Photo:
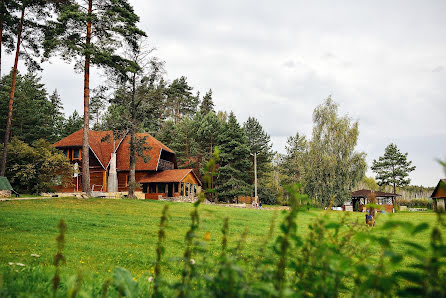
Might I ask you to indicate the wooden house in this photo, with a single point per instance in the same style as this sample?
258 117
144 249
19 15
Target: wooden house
360 198
110 164
439 196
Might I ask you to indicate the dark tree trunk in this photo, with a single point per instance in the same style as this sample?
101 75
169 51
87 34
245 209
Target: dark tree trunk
85 143
11 95
132 180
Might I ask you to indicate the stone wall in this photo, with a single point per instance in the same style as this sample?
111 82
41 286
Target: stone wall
5 193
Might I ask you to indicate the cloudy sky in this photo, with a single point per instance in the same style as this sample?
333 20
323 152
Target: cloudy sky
384 63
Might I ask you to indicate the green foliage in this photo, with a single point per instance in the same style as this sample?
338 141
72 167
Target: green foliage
36 115
180 99
367 183
258 142
392 168
37 168
332 166
207 104
292 163
113 26
416 203
233 177
73 123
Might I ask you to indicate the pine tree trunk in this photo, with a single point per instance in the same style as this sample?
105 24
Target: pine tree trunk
85 142
1 36
11 95
132 180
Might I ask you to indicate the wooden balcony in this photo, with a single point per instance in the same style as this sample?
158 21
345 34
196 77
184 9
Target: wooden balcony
165 165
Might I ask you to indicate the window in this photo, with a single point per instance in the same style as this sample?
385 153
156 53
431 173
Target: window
161 187
152 187
187 190
195 190
175 187
182 189
76 153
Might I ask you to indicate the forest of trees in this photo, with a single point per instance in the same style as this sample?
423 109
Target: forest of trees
138 97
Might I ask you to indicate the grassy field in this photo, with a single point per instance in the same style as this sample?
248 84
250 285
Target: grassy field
103 234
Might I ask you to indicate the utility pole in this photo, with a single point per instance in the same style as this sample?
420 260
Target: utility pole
255 178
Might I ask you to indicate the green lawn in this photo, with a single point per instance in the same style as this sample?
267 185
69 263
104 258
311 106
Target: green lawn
103 234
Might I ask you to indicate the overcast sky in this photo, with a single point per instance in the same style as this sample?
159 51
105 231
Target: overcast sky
383 62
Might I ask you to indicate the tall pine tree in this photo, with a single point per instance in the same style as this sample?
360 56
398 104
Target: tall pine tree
392 168
91 35
233 176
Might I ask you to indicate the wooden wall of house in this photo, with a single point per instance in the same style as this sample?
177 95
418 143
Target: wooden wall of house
123 180
96 180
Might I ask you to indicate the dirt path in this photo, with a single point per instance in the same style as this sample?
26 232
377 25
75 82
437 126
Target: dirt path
24 198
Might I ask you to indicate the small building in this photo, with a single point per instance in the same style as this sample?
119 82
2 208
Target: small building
439 196
171 183
5 187
360 198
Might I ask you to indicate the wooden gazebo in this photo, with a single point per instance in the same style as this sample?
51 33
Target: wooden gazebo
360 198
439 196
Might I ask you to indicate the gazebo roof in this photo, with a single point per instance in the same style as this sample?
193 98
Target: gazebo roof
365 193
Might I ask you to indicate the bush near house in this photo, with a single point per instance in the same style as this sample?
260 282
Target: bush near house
416 203
35 168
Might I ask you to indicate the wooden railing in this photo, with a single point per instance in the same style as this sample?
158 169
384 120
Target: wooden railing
165 165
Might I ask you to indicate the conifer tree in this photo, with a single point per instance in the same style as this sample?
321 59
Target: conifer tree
91 35
73 123
209 129
233 177
181 100
292 163
207 104
392 168
34 118
57 116
29 29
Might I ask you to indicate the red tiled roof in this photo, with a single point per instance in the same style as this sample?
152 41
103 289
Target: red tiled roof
103 150
122 159
168 176
366 193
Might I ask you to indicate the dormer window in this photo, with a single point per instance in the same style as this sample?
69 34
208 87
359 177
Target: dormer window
73 153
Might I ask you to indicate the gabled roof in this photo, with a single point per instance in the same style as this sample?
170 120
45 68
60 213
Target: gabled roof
154 153
365 193
440 190
104 149
176 175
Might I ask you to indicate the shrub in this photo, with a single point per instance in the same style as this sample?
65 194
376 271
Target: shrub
37 168
416 203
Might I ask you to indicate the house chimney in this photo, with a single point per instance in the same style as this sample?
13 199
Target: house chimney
112 175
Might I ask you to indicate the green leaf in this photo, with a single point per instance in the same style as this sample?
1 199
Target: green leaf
124 283
412 276
420 228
